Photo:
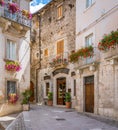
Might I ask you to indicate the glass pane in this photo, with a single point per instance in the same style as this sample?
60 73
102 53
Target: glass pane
11 87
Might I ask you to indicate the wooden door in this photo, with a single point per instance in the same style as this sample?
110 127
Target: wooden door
32 89
89 97
61 90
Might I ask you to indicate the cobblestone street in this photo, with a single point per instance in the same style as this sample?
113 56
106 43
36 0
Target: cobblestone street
52 118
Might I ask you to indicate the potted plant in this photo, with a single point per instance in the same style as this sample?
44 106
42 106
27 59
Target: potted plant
50 99
68 99
26 97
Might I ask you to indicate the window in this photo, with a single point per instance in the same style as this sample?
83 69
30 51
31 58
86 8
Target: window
59 11
74 87
89 40
47 88
60 47
46 52
89 3
11 87
11 50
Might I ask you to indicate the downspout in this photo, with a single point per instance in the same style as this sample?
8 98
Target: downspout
38 69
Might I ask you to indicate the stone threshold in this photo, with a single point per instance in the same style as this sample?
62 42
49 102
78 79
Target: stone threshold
100 118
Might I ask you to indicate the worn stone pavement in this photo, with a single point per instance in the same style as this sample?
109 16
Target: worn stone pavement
53 118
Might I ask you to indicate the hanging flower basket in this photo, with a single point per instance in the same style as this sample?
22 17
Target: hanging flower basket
109 41
2 3
82 53
13 8
12 66
27 14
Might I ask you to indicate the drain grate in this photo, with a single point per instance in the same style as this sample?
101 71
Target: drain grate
60 119
69 111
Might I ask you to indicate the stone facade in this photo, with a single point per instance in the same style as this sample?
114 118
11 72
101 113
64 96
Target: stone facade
17 31
52 30
98 19
96 76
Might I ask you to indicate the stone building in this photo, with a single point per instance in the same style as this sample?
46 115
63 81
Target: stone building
56 42
14 53
97 77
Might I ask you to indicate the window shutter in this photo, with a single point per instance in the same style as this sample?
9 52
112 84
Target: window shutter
46 52
60 47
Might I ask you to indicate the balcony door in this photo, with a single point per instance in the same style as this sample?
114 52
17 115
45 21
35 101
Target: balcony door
61 90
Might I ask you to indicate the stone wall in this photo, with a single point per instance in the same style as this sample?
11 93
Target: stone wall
20 34
105 73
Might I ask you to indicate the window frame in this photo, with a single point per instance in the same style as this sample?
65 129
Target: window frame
58 50
16 87
60 11
87 38
6 47
89 3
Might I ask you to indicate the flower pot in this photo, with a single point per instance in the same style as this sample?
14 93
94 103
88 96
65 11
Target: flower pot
50 103
26 107
68 104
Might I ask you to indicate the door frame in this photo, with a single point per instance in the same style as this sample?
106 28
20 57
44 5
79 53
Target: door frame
57 87
84 93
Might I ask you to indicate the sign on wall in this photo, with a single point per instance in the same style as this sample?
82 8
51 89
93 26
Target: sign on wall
61 70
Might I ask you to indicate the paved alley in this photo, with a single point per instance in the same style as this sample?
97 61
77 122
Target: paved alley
52 118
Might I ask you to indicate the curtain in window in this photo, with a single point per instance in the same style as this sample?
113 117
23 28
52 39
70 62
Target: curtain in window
11 87
11 50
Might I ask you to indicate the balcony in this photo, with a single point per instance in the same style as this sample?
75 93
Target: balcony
86 62
16 17
59 60
111 53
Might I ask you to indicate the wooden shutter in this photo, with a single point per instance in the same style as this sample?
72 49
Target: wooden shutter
60 47
46 52
59 12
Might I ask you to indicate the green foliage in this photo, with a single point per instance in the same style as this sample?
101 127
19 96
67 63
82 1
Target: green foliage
67 97
26 96
108 41
50 96
82 53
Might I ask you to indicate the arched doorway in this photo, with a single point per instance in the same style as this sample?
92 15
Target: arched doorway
32 89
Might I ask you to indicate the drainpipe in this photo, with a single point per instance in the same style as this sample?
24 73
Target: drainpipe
38 69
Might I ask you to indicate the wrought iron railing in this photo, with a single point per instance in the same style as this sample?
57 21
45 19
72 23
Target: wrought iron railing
89 60
57 60
16 17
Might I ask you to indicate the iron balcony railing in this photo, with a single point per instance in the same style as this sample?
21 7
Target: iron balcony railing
58 60
16 17
89 60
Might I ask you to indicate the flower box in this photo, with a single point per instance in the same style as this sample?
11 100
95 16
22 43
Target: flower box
12 98
109 41
82 53
13 66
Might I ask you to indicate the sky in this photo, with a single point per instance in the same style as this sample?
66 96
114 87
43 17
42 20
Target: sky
35 5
